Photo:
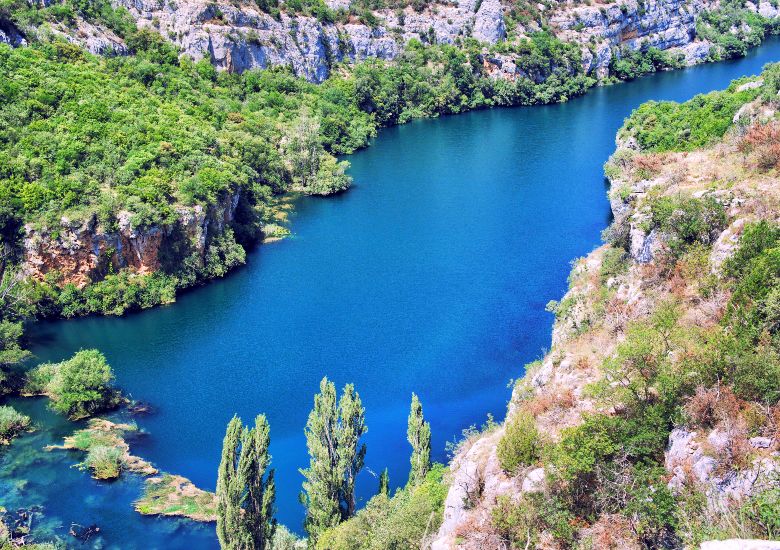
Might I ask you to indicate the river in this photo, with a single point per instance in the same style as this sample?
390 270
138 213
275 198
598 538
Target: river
430 275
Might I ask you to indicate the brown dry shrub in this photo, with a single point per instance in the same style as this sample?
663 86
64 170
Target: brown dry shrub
583 363
737 452
648 165
618 313
612 532
678 282
710 407
475 534
555 399
761 145
678 174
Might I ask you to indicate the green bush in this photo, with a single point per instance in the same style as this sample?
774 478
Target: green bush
631 64
12 423
78 387
520 445
756 238
104 462
756 376
398 522
764 511
521 522
687 221
670 126
614 263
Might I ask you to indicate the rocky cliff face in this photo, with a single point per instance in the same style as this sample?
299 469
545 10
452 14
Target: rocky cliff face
238 36
79 252
604 30
10 35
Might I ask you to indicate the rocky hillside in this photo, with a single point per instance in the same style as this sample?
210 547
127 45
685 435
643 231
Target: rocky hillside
313 38
654 421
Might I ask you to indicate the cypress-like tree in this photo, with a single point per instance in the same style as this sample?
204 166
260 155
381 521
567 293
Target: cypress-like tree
419 435
384 483
245 494
333 433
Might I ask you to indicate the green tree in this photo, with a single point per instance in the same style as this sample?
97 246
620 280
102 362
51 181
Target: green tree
78 387
11 352
384 483
245 494
333 433
418 433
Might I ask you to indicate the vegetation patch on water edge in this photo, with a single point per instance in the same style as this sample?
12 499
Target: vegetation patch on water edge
108 454
78 387
12 423
174 495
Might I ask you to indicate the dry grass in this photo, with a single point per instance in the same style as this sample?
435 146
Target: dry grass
761 146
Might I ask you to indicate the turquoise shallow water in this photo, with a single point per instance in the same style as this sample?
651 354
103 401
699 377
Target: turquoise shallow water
430 275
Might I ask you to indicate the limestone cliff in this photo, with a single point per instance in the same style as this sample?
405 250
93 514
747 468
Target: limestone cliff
79 252
238 36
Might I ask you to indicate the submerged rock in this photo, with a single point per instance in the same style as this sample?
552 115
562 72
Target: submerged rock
83 534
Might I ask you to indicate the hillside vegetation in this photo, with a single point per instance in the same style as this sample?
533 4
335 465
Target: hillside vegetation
653 422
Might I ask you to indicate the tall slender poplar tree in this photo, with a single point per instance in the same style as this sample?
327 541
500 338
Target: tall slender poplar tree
419 435
333 433
384 483
245 494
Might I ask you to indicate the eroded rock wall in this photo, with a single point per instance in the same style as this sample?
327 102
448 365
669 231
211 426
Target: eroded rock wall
80 252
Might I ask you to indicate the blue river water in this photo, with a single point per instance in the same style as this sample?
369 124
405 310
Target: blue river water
430 276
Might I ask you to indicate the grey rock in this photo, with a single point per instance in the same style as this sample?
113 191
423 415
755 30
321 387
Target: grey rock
664 24
751 85
643 245
489 23
534 481
761 442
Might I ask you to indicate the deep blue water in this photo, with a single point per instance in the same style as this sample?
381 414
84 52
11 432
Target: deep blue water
430 275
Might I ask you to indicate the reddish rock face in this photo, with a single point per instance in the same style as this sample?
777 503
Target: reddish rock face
80 252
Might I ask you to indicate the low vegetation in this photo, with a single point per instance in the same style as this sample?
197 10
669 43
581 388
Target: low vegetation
405 520
520 445
12 423
670 126
172 495
107 452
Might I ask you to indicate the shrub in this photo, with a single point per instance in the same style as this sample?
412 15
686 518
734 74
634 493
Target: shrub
762 143
615 262
708 407
78 387
669 126
104 462
764 511
755 239
520 523
520 445
398 522
687 221
757 376
12 423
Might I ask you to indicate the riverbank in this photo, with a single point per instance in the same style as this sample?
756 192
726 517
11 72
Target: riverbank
662 371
